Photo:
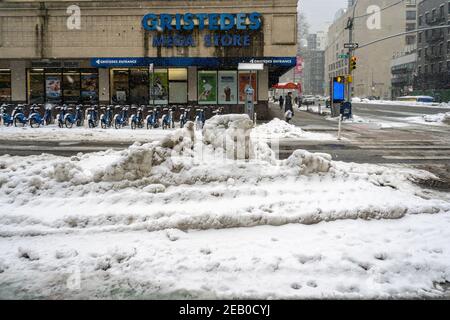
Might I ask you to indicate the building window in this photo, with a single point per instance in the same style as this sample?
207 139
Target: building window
411 15
441 11
5 85
419 53
420 21
419 70
178 86
89 85
448 65
119 85
36 86
71 85
410 40
419 40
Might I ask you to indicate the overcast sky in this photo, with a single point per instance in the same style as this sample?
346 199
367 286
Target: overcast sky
320 13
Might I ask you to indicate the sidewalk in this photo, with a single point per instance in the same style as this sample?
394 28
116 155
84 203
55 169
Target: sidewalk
310 121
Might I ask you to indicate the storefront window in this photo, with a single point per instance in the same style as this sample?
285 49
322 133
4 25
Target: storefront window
89 85
159 87
119 86
36 86
244 82
178 87
53 90
227 87
139 86
207 87
71 86
62 85
5 85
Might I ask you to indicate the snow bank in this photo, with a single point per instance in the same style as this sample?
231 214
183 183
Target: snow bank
279 129
128 223
230 133
441 117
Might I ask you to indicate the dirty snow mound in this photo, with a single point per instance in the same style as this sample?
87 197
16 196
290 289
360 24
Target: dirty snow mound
309 162
230 133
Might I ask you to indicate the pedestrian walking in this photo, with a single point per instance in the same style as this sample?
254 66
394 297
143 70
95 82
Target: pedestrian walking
288 104
281 102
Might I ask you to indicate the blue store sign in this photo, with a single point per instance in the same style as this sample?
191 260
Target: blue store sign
170 29
188 62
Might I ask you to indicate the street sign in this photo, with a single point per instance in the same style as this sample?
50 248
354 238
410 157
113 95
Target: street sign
343 56
351 45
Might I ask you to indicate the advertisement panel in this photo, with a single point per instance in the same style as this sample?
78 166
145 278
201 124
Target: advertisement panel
227 87
244 82
207 87
53 87
159 87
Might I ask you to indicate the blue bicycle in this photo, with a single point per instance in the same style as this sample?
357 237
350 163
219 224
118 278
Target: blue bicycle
74 118
184 117
19 116
5 118
92 116
137 119
48 114
121 119
153 119
107 117
167 119
35 119
200 119
60 117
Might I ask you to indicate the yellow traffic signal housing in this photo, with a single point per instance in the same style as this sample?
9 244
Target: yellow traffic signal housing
353 61
349 79
339 79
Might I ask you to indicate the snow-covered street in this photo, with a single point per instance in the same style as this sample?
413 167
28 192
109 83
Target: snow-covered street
217 215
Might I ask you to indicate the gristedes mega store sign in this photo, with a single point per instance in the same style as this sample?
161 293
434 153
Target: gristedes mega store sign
226 29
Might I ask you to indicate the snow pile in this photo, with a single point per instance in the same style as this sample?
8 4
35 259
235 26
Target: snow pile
441 117
230 133
308 162
129 223
279 129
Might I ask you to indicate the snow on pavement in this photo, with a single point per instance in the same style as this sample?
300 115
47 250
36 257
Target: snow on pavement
191 216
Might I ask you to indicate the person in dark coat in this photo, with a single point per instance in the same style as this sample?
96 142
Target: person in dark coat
281 102
288 103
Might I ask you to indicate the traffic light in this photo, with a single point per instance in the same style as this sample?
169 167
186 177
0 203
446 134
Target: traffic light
353 63
339 79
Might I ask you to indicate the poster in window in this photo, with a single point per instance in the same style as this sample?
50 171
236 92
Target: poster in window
53 87
159 87
244 82
89 87
207 87
228 87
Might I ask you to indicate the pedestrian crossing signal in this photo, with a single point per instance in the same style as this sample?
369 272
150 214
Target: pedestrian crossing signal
353 61
339 79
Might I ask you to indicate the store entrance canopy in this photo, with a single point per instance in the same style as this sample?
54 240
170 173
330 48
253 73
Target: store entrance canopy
287 86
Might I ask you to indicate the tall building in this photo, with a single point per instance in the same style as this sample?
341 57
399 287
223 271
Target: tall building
373 74
314 58
433 48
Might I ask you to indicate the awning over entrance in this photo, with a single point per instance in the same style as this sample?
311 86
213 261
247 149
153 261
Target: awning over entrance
288 86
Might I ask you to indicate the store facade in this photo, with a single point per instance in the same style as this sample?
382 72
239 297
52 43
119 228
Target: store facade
143 52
